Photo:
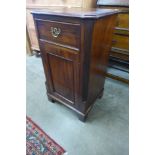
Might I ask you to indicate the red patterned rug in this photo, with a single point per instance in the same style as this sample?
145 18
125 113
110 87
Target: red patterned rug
39 143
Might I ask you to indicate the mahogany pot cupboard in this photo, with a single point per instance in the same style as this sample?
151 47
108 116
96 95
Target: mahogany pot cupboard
75 46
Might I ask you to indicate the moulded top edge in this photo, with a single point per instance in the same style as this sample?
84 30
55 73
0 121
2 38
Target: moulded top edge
76 12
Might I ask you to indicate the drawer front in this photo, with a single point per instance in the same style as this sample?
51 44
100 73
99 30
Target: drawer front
124 56
64 34
122 20
120 41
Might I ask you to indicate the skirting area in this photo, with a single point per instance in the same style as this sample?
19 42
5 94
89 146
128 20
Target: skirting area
106 129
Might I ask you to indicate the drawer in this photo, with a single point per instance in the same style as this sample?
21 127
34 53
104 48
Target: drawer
122 20
62 33
120 54
120 41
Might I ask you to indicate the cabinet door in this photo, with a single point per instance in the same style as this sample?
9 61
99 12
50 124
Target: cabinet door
61 67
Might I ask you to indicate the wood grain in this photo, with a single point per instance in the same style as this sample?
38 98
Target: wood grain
69 33
101 44
75 77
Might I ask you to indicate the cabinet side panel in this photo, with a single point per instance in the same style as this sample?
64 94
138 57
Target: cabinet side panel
101 44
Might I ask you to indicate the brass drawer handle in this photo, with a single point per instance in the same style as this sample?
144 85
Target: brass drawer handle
55 31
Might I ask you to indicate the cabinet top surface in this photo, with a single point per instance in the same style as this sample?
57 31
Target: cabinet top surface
76 12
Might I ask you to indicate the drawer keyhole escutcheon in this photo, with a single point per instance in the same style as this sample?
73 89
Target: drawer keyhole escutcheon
55 31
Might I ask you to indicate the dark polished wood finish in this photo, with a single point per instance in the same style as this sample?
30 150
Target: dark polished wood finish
70 36
75 57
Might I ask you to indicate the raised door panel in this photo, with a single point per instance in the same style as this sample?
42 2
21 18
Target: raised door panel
62 71
62 76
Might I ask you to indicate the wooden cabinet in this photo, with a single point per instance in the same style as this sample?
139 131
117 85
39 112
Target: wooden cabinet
75 46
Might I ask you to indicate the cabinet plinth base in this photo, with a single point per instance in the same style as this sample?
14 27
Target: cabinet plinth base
101 94
82 117
50 99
